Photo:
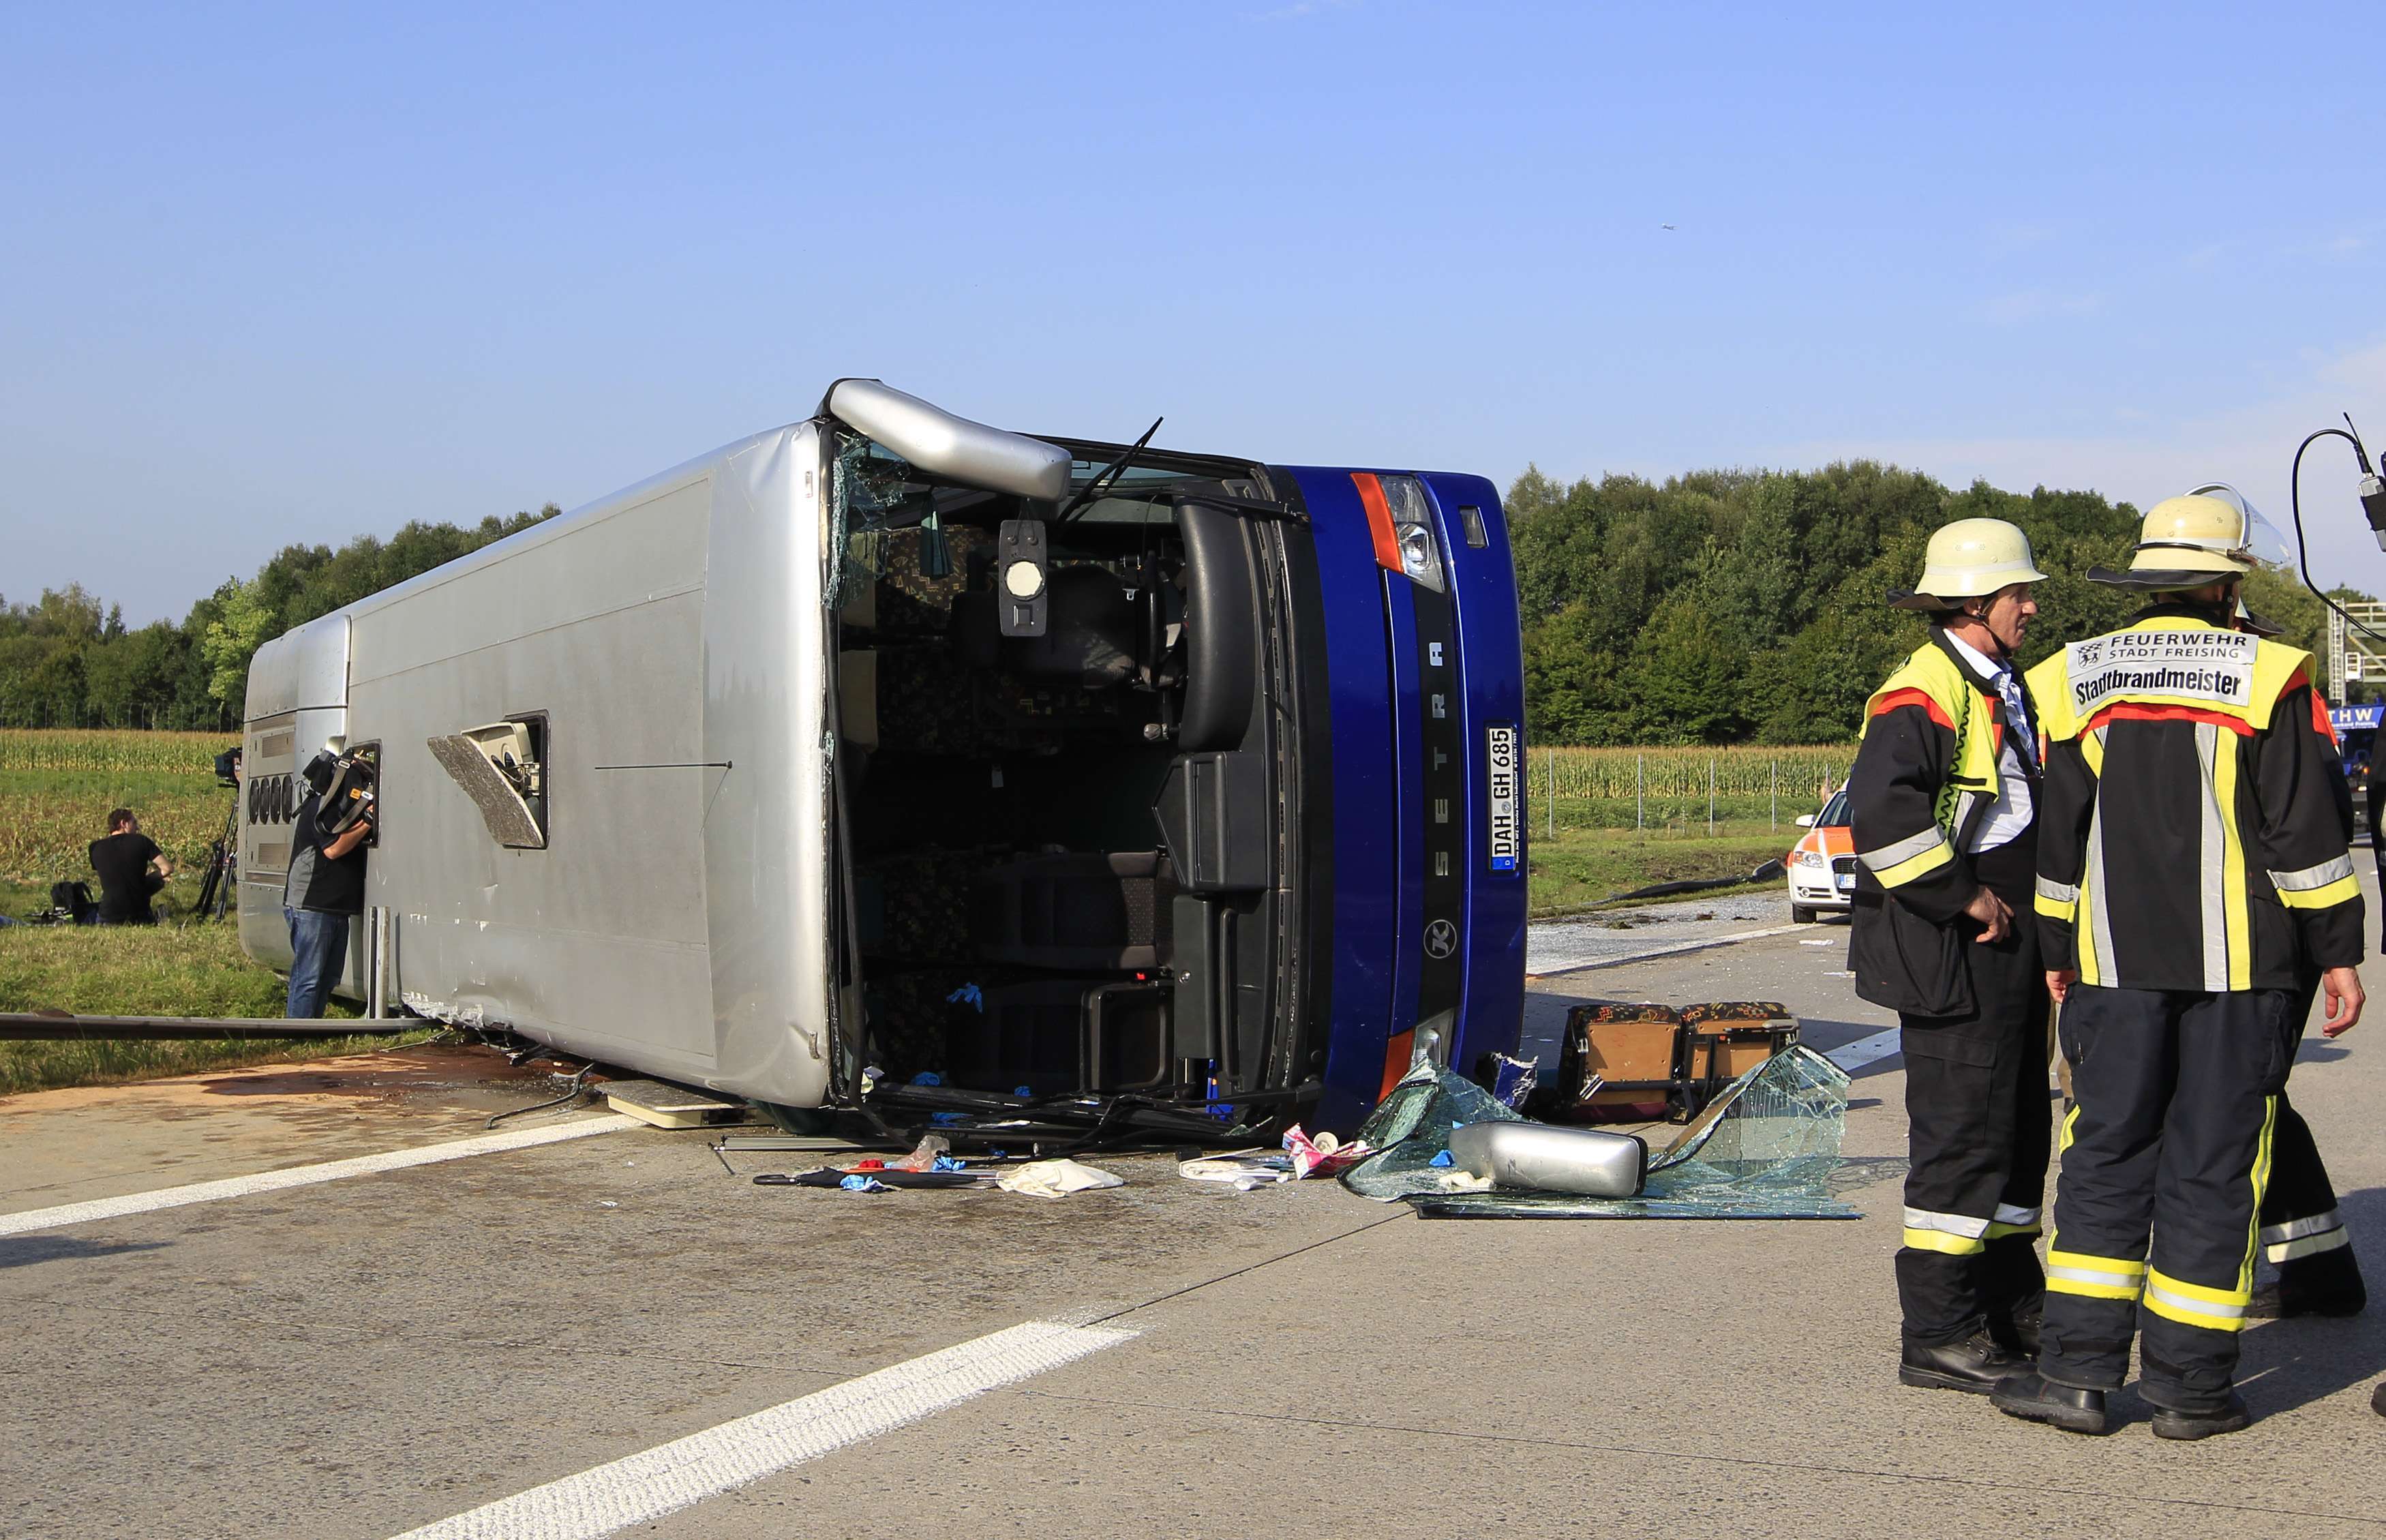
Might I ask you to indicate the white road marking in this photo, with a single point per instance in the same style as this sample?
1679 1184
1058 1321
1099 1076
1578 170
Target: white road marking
301 1176
1666 951
1854 1055
644 1487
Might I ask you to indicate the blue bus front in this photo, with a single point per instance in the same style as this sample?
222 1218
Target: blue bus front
1199 789
1419 646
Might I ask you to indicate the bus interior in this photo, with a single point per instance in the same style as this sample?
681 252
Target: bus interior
1070 755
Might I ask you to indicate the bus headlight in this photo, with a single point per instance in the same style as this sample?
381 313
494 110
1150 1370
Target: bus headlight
1399 515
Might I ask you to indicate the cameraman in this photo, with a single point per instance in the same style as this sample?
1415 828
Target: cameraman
326 888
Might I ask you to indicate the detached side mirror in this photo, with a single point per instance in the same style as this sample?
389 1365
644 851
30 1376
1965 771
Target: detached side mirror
1805 821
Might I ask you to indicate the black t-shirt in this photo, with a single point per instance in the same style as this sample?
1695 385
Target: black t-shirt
125 881
318 882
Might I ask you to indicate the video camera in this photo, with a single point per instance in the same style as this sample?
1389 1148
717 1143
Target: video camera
345 783
228 768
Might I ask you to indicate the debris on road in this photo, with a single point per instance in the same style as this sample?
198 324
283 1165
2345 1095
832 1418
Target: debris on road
1638 1063
1056 1179
1765 1148
1242 1169
1515 1079
1322 1154
1530 1157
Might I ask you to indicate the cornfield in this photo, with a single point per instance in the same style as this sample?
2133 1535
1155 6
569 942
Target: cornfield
112 751
1670 788
56 789
1605 773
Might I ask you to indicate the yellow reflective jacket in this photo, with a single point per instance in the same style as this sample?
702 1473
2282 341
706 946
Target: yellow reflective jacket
1924 781
2194 829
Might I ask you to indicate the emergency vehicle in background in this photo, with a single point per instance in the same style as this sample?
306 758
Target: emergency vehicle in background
1823 863
2357 740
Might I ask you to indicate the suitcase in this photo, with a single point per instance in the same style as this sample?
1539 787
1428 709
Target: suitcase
1723 1041
1623 1064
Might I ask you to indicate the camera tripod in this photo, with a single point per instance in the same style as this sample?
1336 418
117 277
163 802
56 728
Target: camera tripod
223 869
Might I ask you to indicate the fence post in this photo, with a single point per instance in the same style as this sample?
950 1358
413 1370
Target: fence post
1711 796
1550 822
1640 817
1776 766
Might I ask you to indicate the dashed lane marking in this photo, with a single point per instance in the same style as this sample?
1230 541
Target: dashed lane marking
644 1487
302 1176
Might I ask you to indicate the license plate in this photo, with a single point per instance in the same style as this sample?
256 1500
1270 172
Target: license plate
1501 772
1846 881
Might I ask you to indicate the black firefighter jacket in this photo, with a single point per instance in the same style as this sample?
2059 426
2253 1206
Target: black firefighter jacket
1925 780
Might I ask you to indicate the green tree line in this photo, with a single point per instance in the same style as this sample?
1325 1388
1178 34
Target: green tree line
68 659
1714 608
1736 605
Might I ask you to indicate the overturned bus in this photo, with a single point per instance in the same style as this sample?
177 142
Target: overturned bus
890 755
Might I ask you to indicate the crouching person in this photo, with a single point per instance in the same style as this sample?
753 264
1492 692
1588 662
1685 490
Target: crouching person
1943 798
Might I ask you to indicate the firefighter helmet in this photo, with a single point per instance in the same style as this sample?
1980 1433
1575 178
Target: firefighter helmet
1970 559
2209 536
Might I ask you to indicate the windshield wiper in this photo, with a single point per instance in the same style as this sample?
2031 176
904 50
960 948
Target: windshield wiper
1109 474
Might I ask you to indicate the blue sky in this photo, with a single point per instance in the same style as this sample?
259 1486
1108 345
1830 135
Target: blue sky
269 275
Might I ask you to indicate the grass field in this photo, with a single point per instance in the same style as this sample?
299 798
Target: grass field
57 788
179 967
1584 867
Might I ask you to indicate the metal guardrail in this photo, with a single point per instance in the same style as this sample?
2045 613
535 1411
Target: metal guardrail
38 1026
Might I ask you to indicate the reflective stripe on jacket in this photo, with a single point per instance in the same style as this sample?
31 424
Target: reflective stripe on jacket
1923 782
1924 777
2222 855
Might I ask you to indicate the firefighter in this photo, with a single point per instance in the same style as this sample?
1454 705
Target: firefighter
1943 798
2174 914
2302 1231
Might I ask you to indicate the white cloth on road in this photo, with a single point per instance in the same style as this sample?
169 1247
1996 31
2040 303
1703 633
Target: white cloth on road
1056 1179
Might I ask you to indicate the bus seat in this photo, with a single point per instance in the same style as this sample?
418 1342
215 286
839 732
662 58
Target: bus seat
1094 909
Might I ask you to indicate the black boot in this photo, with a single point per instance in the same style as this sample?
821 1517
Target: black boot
2035 1399
1972 1365
2327 1284
2017 1336
2225 1418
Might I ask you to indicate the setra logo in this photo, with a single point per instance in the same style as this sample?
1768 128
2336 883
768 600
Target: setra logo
1440 939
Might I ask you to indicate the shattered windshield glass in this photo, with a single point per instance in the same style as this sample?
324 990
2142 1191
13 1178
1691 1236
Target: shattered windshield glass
872 491
1765 1149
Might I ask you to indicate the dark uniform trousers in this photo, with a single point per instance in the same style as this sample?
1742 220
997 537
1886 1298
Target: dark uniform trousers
2303 1233
2170 1141
1976 1110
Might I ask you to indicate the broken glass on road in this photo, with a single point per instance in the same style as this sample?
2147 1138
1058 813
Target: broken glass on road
1765 1148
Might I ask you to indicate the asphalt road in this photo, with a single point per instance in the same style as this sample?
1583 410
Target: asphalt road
359 1359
